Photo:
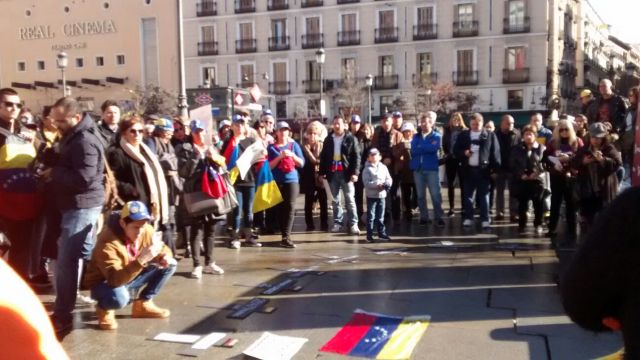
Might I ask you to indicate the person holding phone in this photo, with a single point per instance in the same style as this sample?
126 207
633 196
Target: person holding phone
129 263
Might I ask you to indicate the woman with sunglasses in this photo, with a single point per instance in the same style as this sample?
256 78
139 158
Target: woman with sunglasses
139 175
561 149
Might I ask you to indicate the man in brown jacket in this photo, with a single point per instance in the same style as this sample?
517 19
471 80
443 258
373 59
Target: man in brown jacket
127 258
385 138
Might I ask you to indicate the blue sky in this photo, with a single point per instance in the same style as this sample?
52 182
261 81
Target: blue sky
623 16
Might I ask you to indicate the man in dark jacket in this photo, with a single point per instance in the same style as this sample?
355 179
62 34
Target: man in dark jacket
479 152
108 128
508 137
610 108
385 138
79 182
340 164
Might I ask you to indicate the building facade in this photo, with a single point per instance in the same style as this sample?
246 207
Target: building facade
113 47
498 51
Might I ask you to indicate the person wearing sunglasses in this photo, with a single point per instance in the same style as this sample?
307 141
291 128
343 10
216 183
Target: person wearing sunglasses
139 175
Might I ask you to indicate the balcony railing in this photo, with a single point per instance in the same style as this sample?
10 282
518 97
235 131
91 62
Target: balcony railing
385 82
515 76
465 28
280 87
516 27
246 46
311 3
346 38
465 77
312 86
277 5
312 41
425 79
245 84
279 43
245 6
386 35
425 31
348 1
206 8
207 48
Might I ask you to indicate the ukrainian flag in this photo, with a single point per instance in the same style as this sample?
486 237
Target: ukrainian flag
267 192
231 154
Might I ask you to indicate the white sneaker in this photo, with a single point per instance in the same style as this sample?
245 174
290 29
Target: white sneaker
467 223
235 244
486 225
213 269
336 228
354 230
197 272
85 299
539 230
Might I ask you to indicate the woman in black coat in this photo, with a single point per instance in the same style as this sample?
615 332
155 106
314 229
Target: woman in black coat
310 185
452 164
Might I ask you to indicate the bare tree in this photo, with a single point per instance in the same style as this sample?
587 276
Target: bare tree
349 97
152 99
442 98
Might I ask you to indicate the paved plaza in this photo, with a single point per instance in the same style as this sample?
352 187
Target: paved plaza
491 295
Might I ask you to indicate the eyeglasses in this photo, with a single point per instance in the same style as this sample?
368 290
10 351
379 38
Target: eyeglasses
136 131
12 104
563 129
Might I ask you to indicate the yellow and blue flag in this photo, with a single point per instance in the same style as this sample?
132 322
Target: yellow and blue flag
267 192
231 154
378 336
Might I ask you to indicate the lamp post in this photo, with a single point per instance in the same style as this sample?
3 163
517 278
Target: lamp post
369 82
182 95
320 61
63 61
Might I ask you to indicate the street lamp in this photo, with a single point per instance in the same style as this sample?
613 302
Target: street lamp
320 61
182 95
369 82
63 61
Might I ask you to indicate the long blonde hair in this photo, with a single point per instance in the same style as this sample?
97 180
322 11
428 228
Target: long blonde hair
573 138
454 116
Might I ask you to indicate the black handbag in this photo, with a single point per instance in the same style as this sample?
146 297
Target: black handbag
198 203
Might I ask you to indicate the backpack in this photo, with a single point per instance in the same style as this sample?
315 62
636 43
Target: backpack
111 199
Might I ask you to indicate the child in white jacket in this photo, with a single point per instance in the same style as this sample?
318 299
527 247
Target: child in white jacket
377 181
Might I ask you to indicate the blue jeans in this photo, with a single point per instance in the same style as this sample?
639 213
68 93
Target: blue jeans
375 216
76 242
110 298
338 183
428 179
476 180
245 195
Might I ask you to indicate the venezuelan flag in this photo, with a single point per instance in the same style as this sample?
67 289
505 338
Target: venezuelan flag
377 336
231 154
18 187
267 192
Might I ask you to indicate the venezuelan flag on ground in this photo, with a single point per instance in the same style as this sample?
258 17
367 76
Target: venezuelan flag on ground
20 199
378 336
267 192
231 154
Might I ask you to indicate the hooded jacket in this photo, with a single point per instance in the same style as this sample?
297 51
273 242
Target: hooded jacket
78 177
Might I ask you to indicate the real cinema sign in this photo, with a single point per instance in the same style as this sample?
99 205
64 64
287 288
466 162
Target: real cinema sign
81 28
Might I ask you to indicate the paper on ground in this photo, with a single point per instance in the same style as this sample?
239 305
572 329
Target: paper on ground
327 189
275 347
208 341
177 338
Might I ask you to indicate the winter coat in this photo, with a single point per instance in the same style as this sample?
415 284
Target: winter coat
402 165
617 110
489 157
373 176
521 162
167 158
395 137
350 151
311 169
107 136
78 176
563 146
598 179
507 141
424 151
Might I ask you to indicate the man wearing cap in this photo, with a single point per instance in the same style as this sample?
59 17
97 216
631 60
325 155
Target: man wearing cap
268 120
425 147
224 133
108 127
586 101
161 145
385 138
397 120
340 164
128 264
355 124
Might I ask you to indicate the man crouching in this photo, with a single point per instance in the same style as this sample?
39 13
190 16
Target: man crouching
127 258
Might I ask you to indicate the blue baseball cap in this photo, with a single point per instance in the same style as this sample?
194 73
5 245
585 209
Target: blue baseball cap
396 114
135 211
196 124
356 119
267 112
237 118
164 124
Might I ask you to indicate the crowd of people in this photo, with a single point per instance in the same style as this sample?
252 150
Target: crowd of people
106 198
